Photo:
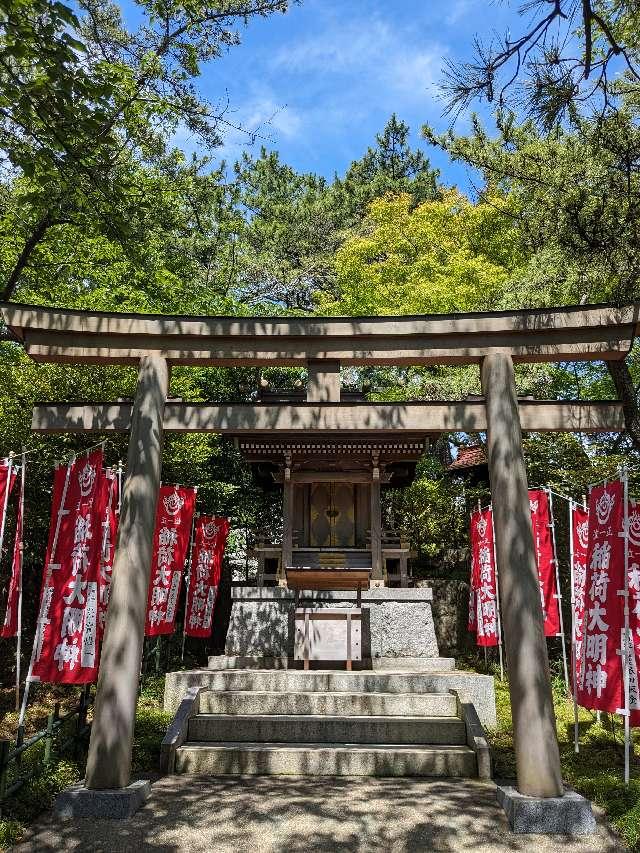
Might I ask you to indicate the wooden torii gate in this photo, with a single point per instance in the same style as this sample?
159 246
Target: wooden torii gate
494 341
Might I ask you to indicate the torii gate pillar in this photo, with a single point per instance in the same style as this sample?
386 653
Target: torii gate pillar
534 728
109 760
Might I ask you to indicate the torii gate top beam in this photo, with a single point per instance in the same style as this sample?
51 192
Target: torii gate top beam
575 333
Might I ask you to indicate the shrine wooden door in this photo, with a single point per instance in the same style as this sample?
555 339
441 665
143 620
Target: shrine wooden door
332 509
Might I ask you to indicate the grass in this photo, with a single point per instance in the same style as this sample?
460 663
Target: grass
38 794
596 771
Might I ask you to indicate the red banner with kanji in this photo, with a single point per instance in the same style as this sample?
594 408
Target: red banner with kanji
210 538
67 648
10 626
600 686
546 560
580 543
483 578
473 585
174 515
108 512
633 531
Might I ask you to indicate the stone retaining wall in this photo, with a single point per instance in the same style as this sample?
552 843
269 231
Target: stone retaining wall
397 623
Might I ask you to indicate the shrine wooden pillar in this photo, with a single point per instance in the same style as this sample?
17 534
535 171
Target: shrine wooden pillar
377 569
534 725
287 522
109 759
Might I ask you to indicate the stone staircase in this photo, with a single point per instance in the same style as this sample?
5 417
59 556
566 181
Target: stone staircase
290 722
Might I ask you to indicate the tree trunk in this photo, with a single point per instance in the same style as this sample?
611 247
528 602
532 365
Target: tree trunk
36 236
627 395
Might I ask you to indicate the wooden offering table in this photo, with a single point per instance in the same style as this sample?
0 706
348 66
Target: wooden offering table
327 633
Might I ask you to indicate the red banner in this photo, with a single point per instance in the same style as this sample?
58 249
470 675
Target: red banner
580 541
10 625
206 567
600 686
633 528
483 578
171 543
473 586
107 508
67 648
546 560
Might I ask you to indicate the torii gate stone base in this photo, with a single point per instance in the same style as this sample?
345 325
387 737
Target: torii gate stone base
493 341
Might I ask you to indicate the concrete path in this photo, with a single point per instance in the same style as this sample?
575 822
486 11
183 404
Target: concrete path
299 815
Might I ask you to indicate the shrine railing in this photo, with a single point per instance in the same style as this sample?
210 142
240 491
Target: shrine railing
22 760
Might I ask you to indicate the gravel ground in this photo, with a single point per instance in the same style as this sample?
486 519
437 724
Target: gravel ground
278 814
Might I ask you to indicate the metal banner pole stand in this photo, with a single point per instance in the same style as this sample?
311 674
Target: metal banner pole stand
43 598
20 564
574 662
558 595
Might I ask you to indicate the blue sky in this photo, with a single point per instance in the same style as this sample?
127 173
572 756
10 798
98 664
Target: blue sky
320 81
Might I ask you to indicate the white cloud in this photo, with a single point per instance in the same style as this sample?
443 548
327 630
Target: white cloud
458 11
371 53
336 48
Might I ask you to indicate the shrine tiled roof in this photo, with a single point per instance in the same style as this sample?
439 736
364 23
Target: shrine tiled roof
468 457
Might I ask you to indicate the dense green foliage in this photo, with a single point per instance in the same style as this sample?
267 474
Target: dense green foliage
66 768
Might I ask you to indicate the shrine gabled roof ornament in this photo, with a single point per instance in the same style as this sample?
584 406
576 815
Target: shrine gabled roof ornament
574 333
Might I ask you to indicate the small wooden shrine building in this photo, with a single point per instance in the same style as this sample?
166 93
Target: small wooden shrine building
332 484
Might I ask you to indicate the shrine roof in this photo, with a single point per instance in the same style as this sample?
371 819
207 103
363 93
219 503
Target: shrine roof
573 333
468 457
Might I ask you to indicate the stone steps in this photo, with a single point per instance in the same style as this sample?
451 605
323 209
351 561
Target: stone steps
328 729
322 681
340 704
411 688
436 664
323 759
325 723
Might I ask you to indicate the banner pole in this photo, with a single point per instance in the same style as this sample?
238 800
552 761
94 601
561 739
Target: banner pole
188 581
558 591
3 522
20 565
119 486
627 640
576 729
41 612
6 501
497 574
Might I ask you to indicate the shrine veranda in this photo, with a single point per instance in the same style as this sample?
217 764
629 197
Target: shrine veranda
331 453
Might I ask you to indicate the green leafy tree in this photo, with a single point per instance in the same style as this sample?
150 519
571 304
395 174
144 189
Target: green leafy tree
288 235
567 58
84 102
391 166
574 196
441 256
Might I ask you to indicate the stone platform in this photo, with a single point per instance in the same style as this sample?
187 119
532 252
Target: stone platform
396 623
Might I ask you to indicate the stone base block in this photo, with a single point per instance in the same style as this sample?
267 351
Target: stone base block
567 815
113 804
